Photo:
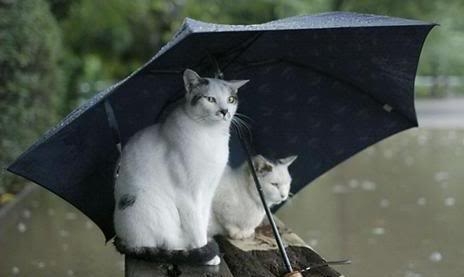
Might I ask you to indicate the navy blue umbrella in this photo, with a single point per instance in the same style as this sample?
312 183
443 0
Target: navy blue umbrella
324 87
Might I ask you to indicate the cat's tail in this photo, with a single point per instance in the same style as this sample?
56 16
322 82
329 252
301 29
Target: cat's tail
200 256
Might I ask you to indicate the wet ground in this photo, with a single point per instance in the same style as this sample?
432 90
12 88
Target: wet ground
45 236
396 209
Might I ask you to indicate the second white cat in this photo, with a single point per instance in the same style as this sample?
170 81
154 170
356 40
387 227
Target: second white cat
237 209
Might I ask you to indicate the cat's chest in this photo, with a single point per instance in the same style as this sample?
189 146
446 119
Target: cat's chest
207 149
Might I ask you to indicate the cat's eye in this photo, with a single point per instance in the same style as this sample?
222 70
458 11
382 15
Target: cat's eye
211 99
275 184
232 99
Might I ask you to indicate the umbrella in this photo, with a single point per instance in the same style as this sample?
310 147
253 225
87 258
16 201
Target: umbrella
323 86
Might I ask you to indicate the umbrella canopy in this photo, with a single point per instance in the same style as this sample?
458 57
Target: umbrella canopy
324 87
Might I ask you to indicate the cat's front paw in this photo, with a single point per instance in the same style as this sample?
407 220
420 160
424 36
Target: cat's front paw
242 234
214 261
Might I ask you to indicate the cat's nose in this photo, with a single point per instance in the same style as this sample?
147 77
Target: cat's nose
224 112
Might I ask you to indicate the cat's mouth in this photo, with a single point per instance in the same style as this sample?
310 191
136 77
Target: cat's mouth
223 115
283 199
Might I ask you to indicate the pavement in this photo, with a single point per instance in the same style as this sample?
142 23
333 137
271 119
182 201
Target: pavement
443 113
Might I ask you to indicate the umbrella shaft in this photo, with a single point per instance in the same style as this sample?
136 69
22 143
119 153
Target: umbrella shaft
280 244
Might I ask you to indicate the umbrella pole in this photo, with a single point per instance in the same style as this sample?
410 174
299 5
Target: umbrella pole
283 253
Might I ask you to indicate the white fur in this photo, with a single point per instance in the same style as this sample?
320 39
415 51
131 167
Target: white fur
237 208
173 169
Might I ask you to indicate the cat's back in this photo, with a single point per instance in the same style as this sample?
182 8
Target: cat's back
143 144
231 191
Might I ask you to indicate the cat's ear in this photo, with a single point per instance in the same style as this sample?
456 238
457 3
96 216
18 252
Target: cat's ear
288 160
192 79
261 164
236 84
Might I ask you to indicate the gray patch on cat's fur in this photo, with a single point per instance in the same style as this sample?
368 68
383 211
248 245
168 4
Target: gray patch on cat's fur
126 201
195 99
265 168
192 256
201 82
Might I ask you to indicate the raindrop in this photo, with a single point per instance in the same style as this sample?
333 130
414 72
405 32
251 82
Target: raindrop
388 153
70 272
378 231
64 233
84 87
65 247
26 213
409 161
338 189
441 176
387 108
421 201
88 225
40 264
422 139
21 227
15 270
313 242
368 185
450 201
70 216
51 212
435 257
353 183
370 151
384 203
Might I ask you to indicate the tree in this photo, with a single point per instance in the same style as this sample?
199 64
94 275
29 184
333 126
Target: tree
30 79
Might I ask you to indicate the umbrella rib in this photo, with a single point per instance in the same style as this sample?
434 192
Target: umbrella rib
245 46
322 72
239 50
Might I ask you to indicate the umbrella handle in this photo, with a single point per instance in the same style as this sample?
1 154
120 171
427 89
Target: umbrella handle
283 253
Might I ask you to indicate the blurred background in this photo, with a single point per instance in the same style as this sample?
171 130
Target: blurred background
395 209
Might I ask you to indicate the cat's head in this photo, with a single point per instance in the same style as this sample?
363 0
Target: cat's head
209 99
274 177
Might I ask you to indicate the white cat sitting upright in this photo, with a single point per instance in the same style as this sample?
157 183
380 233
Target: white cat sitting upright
168 175
237 208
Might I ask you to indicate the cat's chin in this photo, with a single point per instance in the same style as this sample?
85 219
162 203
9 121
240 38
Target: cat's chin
220 120
277 202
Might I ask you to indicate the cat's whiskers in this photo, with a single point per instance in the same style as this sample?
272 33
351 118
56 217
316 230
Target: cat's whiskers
238 125
246 124
241 123
244 116
245 120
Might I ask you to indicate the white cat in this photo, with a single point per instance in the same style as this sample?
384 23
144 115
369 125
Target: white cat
237 208
168 175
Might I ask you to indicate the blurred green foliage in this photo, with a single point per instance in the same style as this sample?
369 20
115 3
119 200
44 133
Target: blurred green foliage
31 83
56 53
